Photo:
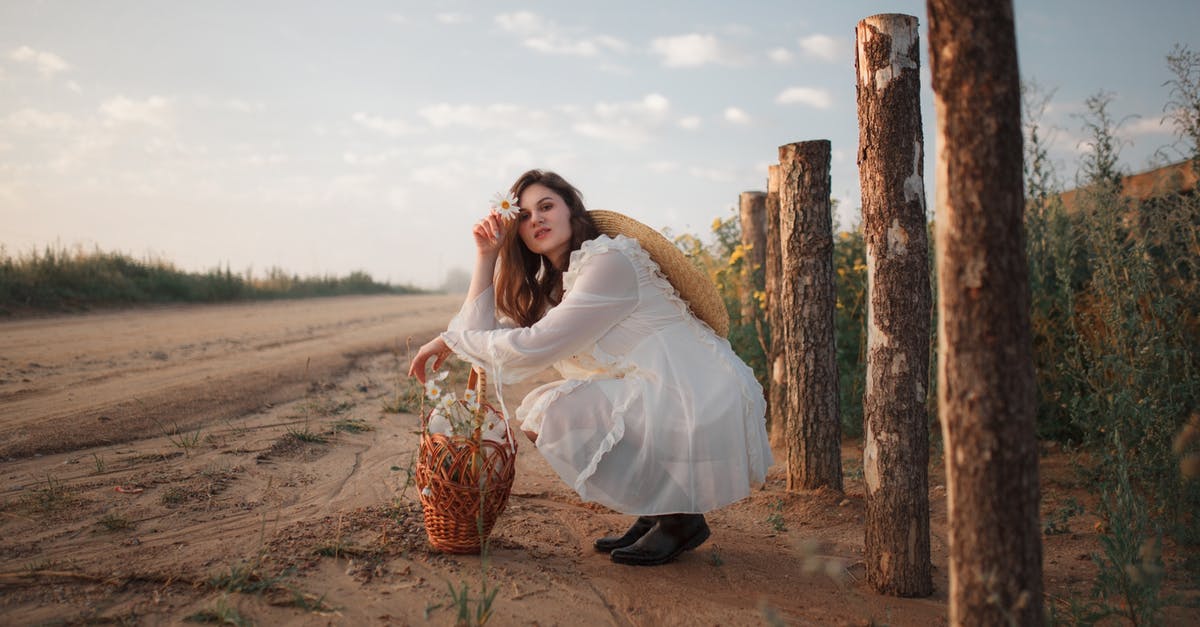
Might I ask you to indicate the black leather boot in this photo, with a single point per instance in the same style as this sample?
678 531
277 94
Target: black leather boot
674 534
639 529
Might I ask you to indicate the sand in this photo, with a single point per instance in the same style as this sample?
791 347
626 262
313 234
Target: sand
247 462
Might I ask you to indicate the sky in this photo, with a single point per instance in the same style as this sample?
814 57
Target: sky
324 138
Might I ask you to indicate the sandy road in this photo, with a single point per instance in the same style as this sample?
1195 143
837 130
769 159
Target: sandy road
73 381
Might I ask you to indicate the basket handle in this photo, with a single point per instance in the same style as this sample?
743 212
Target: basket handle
477 381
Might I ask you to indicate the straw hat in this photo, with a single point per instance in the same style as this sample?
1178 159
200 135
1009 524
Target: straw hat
694 287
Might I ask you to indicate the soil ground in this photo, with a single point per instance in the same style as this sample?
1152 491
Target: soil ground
251 462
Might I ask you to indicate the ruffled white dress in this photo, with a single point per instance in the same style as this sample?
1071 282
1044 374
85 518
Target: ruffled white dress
656 414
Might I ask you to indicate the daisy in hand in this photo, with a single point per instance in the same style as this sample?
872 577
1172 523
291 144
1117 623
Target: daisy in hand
505 205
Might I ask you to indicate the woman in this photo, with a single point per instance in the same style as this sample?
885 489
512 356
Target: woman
656 416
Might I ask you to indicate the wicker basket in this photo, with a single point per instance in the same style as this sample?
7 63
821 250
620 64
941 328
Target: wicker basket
464 482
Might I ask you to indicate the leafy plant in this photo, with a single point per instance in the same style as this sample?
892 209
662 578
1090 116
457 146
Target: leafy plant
775 518
850 327
305 434
52 495
186 440
466 614
1130 568
1058 522
113 522
222 614
351 425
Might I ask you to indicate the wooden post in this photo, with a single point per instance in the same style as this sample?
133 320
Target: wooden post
896 425
808 297
753 217
777 385
986 398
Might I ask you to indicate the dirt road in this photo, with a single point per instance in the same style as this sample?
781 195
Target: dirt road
250 464
75 381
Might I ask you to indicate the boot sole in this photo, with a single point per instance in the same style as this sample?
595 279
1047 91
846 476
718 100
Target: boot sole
694 542
609 548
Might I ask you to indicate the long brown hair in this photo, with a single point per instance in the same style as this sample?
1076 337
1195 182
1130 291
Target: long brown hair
527 284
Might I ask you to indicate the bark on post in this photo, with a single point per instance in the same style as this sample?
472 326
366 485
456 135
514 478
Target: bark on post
777 386
808 297
895 429
753 216
986 396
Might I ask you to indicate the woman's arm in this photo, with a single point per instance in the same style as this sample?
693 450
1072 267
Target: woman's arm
479 308
605 292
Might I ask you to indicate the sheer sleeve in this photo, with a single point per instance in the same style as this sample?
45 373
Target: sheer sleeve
605 291
477 313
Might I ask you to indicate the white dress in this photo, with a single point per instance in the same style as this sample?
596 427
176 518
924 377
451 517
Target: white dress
656 414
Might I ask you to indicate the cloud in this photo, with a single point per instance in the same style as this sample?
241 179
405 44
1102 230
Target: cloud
243 106
690 123
662 167
387 126
36 120
258 160
822 47
545 36
1141 127
719 175
483 117
692 50
521 22
735 115
370 159
452 18
153 111
47 63
629 124
811 96
780 55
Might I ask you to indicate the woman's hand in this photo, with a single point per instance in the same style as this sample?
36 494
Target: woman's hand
487 233
437 349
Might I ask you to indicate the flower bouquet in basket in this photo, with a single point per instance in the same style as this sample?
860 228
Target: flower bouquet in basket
465 465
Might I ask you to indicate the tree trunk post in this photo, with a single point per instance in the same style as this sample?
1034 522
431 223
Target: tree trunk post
896 425
808 297
986 398
777 385
752 212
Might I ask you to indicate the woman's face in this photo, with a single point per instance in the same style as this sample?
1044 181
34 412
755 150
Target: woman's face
545 223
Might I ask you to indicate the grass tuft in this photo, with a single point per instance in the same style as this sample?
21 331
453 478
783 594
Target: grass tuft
351 425
221 614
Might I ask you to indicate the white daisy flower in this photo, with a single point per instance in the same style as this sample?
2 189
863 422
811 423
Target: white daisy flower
505 204
494 429
433 389
439 423
472 399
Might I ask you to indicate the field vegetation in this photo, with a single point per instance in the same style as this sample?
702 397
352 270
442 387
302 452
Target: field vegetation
1115 286
57 279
